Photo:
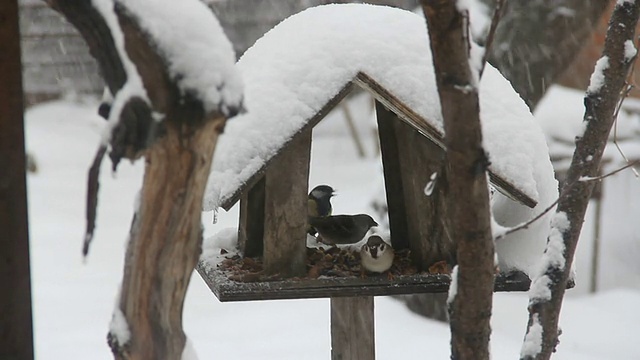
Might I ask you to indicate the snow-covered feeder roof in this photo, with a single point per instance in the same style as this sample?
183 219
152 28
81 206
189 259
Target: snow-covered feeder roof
298 67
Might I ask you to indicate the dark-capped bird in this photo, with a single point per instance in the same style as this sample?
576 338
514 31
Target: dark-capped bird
342 229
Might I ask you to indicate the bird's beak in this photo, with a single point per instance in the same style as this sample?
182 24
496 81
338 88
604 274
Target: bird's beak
334 193
376 224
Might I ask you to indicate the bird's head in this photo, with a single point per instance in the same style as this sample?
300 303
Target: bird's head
375 246
322 192
368 220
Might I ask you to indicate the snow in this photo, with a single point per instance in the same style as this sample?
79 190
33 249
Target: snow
453 287
225 239
294 69
119 327
597 77
67 292
199 56
189 353
630 50
532 344
553 257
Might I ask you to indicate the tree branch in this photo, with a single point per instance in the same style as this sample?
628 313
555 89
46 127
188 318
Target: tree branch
548 287
165 236
465 167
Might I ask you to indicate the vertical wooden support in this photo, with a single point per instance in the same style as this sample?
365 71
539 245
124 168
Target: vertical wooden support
251 227
392 177
16 330
285 225
409 161
352 328
596 194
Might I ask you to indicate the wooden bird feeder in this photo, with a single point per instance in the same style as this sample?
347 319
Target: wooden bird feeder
273 224
273 218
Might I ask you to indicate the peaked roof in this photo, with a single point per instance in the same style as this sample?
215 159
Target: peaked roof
303 67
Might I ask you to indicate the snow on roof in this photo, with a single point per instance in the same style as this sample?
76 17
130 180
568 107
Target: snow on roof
298 66
199 56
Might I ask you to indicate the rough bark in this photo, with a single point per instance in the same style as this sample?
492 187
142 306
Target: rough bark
600 104
466 168
538 39
165 237
16 330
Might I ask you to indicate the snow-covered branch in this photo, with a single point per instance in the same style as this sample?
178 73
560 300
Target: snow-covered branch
549 284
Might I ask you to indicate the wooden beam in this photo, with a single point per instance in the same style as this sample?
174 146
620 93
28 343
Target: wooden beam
352 328
409 116
419 160
16 329
392 177
285 225
226 289
251 226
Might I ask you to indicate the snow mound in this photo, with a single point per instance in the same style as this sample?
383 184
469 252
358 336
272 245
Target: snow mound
298 66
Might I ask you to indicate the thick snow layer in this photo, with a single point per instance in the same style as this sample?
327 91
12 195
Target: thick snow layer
553 257
198 53
453 287
119 327
629 50
292 71
67 290
532 344
597 77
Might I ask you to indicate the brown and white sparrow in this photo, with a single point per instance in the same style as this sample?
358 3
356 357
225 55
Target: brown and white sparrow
376 255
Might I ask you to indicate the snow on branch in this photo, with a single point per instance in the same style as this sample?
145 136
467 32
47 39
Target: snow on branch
607 86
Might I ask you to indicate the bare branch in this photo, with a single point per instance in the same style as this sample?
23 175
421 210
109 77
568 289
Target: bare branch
93 184
495 20
564 193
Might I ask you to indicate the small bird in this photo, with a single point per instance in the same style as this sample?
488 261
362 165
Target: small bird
342 229
376 255
319 203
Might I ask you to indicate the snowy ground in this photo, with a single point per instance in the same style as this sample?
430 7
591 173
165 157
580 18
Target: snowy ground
73 300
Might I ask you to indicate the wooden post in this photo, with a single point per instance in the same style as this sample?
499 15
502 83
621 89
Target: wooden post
16 329
285 214
392 179
251 227
409 160
352 328
595 252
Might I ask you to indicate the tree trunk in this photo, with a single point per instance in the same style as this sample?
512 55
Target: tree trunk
466 165
549 286
165 242
16 330
166 233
